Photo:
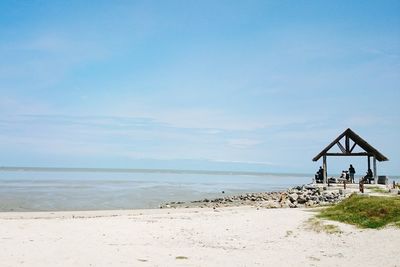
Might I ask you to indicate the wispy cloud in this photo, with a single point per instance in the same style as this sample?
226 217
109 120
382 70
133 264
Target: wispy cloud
267 163
45 60
243 143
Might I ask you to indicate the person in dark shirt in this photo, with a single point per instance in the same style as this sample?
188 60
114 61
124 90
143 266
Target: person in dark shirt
352 171
368 177
319 176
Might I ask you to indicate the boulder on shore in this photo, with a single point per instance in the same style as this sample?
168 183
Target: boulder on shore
299 196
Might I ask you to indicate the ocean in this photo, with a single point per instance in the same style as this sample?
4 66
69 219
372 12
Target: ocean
52 189
102 189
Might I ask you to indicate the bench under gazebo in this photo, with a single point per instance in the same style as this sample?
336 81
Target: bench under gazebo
347 142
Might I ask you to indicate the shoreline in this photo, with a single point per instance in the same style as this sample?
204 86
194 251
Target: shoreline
87 214
60 191
298 196
86 191
310 195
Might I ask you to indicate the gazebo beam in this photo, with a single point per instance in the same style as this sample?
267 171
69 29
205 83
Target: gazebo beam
358 141
352 154
354 145
341 147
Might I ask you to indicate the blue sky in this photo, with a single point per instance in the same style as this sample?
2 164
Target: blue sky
226 85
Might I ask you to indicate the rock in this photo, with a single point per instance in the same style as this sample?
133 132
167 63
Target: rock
299 196
285 203
302 199
293 197
310 203
271 205
310 187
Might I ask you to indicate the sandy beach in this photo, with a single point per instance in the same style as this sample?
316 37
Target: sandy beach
241 236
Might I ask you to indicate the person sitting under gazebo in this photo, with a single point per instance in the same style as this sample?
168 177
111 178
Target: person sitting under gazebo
368 177
319 176
344 177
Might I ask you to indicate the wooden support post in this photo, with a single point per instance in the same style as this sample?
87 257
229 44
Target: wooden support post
344 185
369 163
375 174
324 166
361 186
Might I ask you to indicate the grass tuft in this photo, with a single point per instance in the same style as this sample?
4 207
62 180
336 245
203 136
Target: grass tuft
181 258
365 211
288 233
318 226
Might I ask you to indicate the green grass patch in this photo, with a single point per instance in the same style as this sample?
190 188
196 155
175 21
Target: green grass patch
377 189
365 211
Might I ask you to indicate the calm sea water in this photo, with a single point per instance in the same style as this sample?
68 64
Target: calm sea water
96 190
66 190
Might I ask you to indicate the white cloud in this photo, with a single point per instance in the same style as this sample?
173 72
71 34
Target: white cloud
206 119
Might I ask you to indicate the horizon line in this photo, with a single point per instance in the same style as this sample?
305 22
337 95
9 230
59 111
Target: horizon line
142 170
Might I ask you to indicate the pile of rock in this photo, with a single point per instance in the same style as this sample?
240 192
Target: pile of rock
300 196
309 196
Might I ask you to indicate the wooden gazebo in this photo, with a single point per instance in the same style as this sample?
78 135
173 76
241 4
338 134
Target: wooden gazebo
346 142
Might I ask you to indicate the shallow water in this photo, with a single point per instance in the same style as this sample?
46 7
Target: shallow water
66 190
101 190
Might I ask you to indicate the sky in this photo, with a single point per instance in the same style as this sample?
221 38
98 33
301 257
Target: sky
211 85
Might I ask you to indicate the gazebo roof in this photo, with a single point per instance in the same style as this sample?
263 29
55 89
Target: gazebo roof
347 150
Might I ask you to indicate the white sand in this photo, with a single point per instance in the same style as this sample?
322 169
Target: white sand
228 237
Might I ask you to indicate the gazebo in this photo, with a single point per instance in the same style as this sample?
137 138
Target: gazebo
346 142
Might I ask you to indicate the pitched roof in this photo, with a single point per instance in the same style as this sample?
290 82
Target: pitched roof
347 151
